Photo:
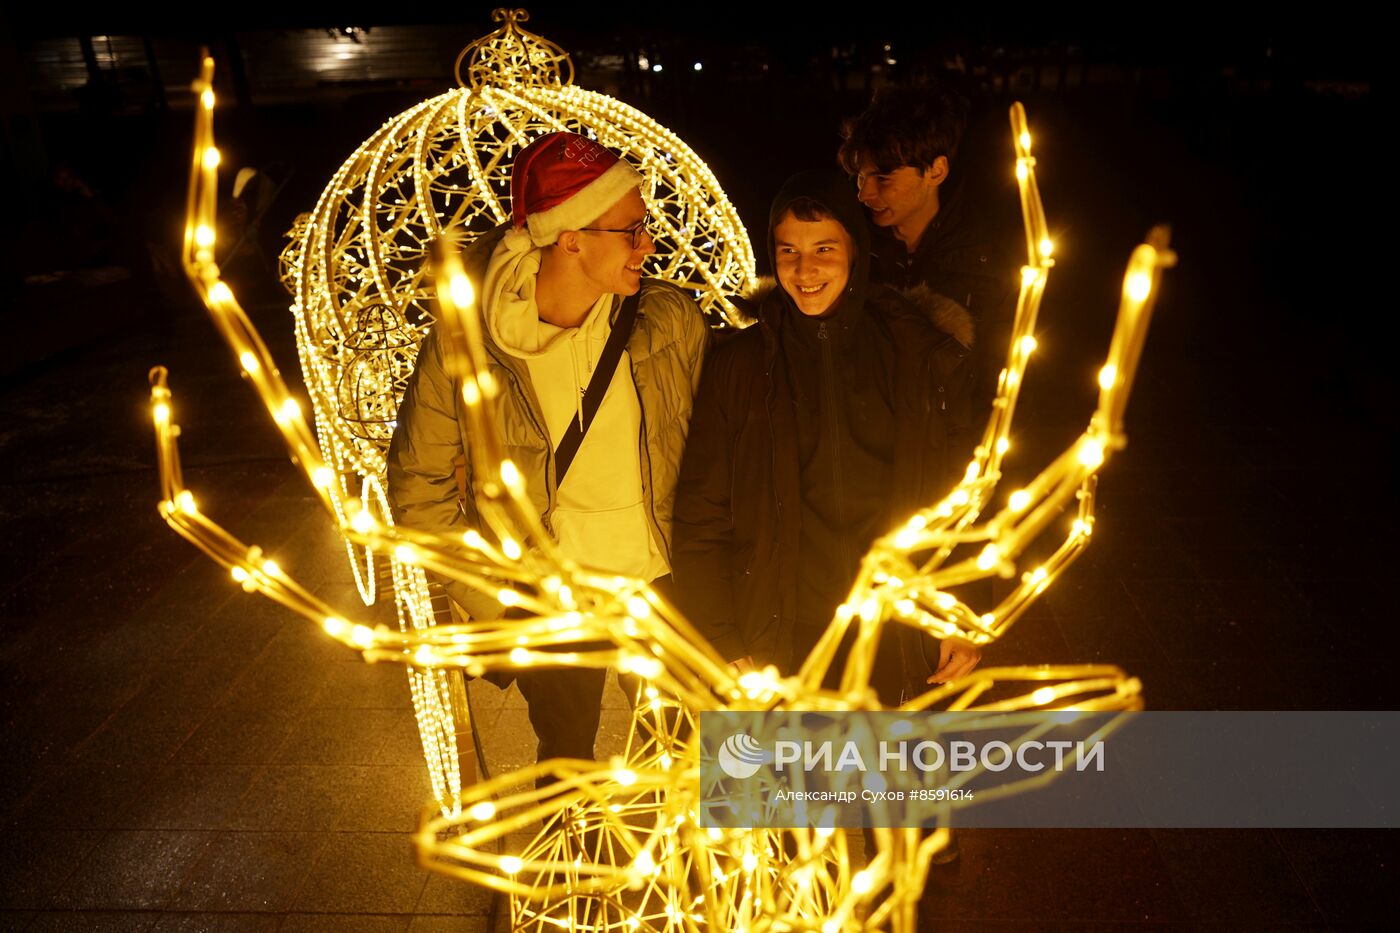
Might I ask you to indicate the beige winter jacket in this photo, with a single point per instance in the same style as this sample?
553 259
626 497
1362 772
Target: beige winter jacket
666 349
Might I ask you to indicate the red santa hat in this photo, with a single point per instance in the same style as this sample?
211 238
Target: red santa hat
564 181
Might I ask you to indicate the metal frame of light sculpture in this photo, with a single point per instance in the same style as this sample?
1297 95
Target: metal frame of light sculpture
621 848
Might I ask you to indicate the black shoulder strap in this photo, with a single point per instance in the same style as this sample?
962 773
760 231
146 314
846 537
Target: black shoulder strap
597 386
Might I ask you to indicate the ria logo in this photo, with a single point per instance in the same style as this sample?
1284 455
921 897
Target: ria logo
740 756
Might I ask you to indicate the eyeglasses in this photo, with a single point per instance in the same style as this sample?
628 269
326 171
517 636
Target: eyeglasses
635 231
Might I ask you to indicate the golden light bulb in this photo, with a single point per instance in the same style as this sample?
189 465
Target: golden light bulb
249 362
862 882
204 239
1091 453
1043 695
219 292
1019 500
362 521
322 477
511 864
989 558
1028 345
461 290
1025 140
207 99
1047 246
1138 286
1003 445
510 474
1108 376
161 411
484 810
211 158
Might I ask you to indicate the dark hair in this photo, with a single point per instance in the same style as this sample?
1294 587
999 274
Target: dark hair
905 126
807 210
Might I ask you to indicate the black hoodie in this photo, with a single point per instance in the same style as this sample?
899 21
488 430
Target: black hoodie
839 368
809 437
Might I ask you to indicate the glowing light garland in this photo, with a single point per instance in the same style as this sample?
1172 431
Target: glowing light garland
619 848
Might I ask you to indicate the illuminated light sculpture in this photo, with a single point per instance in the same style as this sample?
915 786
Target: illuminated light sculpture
620 847
354 267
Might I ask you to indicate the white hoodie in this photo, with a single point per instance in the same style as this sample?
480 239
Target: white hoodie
600 511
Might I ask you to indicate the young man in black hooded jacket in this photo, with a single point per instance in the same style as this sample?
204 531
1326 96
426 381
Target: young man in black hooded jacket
839 413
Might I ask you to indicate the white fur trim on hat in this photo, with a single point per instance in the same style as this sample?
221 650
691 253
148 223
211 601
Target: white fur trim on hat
586 206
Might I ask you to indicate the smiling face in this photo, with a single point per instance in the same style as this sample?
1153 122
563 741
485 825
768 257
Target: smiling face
813 262
607 259
905 197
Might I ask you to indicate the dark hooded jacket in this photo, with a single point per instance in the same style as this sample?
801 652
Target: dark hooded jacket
959 257
810 437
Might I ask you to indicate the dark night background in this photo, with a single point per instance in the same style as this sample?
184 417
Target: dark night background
1241 559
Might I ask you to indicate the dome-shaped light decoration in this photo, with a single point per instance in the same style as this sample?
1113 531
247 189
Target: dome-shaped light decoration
356 263
355 267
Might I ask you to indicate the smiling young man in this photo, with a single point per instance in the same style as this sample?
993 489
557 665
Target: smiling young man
596 402
901 152
814 432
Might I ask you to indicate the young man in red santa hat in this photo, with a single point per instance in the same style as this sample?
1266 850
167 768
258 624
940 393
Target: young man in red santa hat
598 367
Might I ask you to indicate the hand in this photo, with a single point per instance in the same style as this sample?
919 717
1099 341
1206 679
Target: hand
955 658
742 666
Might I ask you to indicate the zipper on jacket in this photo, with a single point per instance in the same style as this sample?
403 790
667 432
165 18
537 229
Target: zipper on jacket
549 488
649 493
834 420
